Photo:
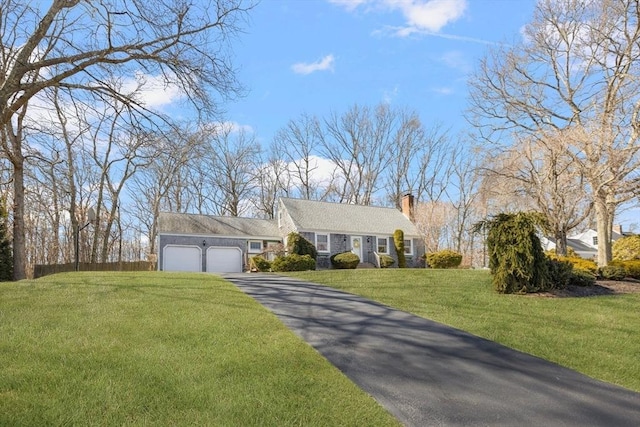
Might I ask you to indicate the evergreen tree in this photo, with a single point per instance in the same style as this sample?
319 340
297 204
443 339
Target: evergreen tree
398 241
516 259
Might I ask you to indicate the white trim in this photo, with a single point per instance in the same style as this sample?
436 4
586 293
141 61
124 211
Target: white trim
169 246
354 233
210 249
208 236
410 247
386 239
357 250
255 251
328 242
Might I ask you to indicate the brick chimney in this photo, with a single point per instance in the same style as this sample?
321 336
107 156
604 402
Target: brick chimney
407 206
617 228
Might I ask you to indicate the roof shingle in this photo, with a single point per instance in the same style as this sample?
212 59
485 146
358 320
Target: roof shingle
310 215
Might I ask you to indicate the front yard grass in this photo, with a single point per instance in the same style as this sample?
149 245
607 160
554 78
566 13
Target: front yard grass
161 349
599 336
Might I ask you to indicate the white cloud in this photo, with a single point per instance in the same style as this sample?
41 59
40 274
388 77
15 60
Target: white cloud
434 14
229 127
349 4
457 60
323 64
152 91
442 90
421 16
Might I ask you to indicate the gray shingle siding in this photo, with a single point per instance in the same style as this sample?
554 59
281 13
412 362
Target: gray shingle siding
340 221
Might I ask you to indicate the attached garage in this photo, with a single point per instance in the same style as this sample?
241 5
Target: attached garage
182 258
224 260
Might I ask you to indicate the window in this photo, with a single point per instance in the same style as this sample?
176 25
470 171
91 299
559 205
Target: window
595 240
255 246
322 242
408 247
383 245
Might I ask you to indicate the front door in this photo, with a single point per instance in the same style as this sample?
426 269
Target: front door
356 246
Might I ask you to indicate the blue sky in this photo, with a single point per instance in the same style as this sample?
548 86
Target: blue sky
318 56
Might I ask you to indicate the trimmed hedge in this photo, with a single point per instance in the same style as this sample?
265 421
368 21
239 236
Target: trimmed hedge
581 277
345 260
293 262
386 261
560 272
627 248
298 245
612 272
258 263
577 262
631 267
444 259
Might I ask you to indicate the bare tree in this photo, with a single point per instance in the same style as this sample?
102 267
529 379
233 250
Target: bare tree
543 170
153 187
88 46
360 143
296 145
272 181
577 71
233 161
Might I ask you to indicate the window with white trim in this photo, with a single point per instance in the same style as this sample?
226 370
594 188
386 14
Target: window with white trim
408 247
383 245
595 240
255 246
322 242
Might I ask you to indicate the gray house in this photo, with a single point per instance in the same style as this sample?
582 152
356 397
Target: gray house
189 242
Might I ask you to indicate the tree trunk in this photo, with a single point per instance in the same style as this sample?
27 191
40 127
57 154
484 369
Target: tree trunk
19 243
561 242
603 222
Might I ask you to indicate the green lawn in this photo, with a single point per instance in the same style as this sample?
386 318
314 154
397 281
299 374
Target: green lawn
599 336
161 349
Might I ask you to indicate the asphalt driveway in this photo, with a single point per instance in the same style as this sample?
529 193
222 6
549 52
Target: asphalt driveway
429 374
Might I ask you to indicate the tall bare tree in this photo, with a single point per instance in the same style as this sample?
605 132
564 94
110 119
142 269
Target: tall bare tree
296 144
233 162
88 46
577 70
153 186
544 171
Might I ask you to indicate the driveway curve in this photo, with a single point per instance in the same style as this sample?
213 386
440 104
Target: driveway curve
429 374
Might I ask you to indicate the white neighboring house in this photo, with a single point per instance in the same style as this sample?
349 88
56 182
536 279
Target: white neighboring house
585 244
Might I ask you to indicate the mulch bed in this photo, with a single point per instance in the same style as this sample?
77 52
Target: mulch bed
602 287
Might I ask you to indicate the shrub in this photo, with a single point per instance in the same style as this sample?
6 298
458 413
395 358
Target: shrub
345 260
258 263
398 242
386 261
632 267
444 259
560 272
293 262
570 252
581 277
516 258
577 262
298 245
626 248
612 272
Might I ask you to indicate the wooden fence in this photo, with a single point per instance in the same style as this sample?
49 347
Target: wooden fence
43 270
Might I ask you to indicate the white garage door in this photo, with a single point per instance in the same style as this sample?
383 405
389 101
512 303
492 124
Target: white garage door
182 258
224 260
